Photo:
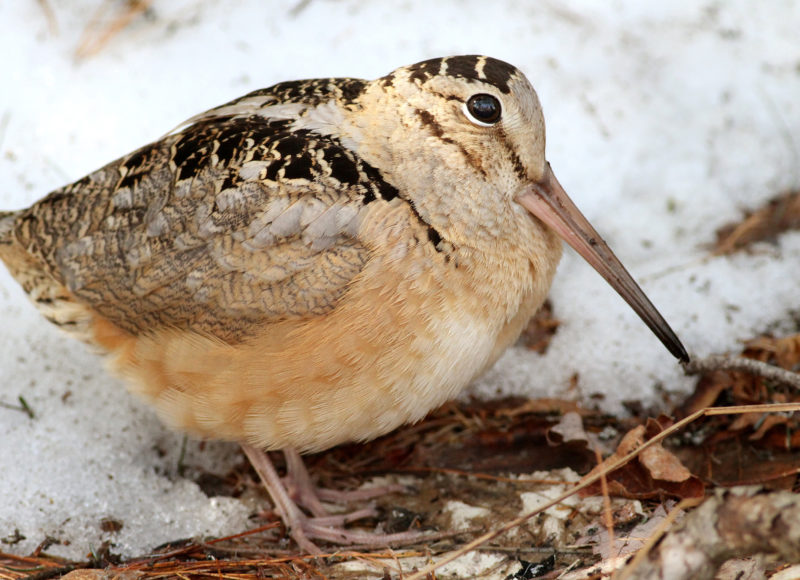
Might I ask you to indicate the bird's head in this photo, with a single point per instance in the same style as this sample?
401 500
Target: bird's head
472 156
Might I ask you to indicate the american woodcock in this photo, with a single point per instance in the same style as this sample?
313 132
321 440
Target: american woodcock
316 262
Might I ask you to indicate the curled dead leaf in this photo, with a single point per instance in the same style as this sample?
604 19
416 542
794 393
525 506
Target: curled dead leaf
655 472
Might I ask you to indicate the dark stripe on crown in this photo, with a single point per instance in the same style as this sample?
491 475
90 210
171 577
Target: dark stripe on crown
495 72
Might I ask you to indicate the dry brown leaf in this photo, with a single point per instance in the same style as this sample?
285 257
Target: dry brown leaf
768 422
663 465
656 472
744 421
541 329
778 215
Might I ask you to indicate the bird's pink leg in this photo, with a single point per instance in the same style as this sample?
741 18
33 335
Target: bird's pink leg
304 492
321 526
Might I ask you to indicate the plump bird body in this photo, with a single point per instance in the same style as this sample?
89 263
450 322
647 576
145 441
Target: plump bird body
317 262
313 263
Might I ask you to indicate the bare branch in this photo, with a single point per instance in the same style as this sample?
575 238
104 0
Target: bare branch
744 365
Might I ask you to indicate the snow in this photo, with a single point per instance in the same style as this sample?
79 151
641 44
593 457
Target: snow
665 121
462 514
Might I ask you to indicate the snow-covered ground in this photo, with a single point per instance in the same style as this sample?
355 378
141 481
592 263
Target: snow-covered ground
665 121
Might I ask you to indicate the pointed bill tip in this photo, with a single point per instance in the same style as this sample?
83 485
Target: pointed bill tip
548 201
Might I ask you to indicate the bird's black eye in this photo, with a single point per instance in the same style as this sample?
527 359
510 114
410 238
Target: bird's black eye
483 109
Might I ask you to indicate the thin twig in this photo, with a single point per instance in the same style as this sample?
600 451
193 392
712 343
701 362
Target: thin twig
607 516
745 365
93 39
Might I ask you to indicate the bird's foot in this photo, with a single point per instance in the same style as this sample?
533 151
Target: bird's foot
330 529
302 490
320 525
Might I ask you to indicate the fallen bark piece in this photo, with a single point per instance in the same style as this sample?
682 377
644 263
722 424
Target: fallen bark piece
733 523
